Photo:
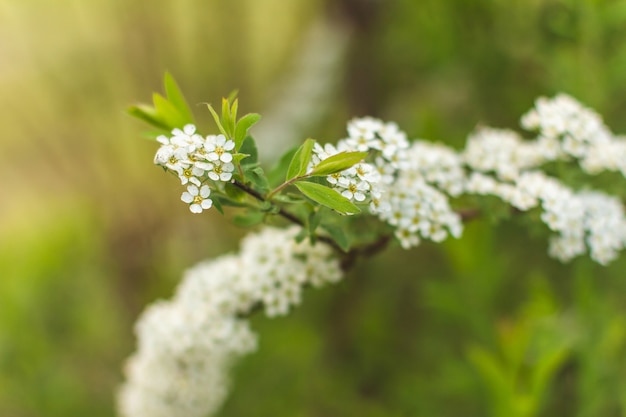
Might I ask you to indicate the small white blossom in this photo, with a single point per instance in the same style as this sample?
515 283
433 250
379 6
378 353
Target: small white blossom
220 171
219 149
191 174
353 188
197 198
187 138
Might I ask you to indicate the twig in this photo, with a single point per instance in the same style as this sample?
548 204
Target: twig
285 214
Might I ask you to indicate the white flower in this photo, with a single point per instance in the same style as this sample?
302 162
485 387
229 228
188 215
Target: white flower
197 198
218 148
363 134
353 188
321 153
191 174
219 171
366 172
186 138
163 154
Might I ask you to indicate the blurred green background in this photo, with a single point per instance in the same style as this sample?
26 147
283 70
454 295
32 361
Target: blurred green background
91 231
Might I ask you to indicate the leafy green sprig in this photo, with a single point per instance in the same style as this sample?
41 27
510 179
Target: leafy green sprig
293 190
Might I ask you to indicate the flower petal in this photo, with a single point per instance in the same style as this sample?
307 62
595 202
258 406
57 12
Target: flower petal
207 204
229 146
186 197
205 191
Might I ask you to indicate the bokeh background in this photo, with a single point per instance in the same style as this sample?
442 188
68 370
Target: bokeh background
91 232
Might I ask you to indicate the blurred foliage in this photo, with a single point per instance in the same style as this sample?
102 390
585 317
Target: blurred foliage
90 231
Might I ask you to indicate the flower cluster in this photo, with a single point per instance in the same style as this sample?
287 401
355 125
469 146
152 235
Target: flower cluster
362 182
186 346
581 220
405 184
415 202
585 219
503 153
196 159
571 130
566 126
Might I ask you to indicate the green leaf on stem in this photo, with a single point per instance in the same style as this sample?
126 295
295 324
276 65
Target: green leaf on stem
339 236
227 120
233 95
249 218
256 176
249 147
240 156
176 97
289 198
338 163
327 197
224 200
243 125
277 174
217 120
302 234
300 160
149 115
234 192
217 203
167 112
233 109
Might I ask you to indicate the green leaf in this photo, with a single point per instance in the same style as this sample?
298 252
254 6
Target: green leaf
493 373
327 197
227 120
239 156
149 115
313 222
339 236
545 370
217 203
223 200
243 125
176 97
233 110
302 234
276 175
300 160
249 218
289 198
217 120
167 112
338 163
233 95
257 177
234 192
249 147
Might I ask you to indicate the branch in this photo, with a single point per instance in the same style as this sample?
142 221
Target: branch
349 259
285 214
